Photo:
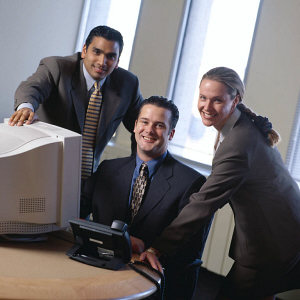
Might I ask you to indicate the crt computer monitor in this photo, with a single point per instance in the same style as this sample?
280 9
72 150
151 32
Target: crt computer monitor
39 178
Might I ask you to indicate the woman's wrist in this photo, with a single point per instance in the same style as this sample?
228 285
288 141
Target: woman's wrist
154 251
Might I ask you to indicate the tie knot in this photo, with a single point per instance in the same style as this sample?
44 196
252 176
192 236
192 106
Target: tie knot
144 169
97 85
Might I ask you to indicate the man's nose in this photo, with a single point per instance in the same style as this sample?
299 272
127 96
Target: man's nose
102 59
149 128
207 105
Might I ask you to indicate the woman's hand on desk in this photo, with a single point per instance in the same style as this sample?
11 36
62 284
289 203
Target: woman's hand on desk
151 256
137 245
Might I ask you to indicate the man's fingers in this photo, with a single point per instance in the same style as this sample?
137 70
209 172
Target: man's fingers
30 118
12 120
15 118
19 117
22 119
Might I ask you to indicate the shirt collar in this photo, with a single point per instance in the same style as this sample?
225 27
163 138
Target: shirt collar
153 164
229 124
90 80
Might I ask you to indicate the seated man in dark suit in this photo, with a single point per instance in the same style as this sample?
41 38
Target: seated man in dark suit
147 191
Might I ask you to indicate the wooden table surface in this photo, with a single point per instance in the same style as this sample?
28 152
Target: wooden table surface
42 270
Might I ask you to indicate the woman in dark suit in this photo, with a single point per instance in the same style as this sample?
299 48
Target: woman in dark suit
249 174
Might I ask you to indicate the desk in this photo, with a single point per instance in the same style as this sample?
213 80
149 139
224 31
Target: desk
41 270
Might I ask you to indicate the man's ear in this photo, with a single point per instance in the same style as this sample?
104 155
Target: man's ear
83 53
134 126
171 135
117 65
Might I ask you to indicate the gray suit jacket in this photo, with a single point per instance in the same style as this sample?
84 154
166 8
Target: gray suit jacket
58 93
265 200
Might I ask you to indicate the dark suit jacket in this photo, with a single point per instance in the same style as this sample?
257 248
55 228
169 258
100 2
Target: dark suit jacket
265 200
108 193
58 93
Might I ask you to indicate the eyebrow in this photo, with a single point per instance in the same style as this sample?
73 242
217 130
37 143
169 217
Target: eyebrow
100 50
155 122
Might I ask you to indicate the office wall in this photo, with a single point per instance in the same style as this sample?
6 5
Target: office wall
153 54
273 84
29 31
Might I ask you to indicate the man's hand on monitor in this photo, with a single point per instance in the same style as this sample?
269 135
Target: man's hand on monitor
137 245
151 256
21 116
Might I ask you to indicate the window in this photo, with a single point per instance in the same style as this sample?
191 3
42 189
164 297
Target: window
218 33
114 13
293 152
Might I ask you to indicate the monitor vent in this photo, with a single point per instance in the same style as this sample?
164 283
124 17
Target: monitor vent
32 205
10 227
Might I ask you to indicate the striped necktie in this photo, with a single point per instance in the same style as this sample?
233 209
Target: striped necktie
138 190
89 132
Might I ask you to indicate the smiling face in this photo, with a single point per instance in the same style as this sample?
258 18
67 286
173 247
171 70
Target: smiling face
215 104
101 57
152 131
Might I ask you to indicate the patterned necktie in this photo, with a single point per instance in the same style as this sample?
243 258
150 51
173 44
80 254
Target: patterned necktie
138 190
89 132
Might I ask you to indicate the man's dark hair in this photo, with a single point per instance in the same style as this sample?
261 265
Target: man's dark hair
165 103
107 33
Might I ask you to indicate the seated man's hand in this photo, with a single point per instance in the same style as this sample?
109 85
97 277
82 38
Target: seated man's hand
21 116
137 245
150 256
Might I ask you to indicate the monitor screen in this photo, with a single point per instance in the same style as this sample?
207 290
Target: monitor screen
39 178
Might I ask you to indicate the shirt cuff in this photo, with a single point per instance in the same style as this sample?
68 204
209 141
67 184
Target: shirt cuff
25 105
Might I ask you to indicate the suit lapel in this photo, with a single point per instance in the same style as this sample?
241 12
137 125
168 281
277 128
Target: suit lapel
158 188
79 94
120 197
110 106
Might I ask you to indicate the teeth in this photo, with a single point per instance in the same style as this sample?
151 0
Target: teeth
147 139
208 115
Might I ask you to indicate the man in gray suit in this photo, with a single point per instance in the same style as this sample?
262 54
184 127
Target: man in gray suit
59 91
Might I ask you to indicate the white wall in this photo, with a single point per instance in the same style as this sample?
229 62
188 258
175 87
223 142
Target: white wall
29 31
153 54
273 84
